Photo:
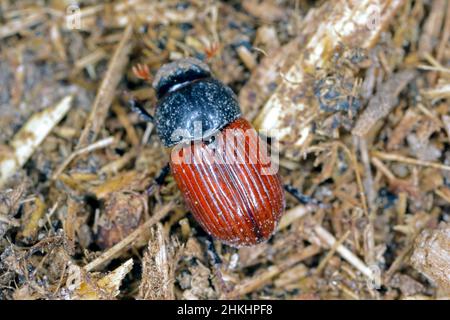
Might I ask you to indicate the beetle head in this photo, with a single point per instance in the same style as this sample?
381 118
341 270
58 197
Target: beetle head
175 74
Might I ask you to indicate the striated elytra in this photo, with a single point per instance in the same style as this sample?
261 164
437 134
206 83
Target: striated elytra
218 160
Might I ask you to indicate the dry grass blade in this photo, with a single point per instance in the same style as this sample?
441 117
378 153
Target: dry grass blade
344 252
407 160
95 146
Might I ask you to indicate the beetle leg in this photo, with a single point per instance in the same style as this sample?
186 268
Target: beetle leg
162 175
137 107
159 180
212 252
303 198
216 263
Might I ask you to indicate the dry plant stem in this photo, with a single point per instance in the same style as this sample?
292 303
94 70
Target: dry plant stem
292 215
433 68
147 133
113 280
260 280
347 291
330 253
432 61
117 165
443 45
383 169
429 114
106 91
95 146
90 59
404 253
398 262
362 144
345 253
124 243
432 27
10 221
352 158
125 121
407 160
443 195
30 136
21 24
89 287
438 92
127 12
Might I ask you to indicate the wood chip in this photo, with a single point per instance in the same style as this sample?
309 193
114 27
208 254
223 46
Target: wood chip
30 136
431 255
383 102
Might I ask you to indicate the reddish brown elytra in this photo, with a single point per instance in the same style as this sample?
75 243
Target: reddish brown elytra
234 201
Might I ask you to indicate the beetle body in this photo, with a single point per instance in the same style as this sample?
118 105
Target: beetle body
218 160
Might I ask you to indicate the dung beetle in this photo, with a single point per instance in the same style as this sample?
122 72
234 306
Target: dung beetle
217 158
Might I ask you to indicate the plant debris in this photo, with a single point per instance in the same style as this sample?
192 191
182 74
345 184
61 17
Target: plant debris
431 256
355 93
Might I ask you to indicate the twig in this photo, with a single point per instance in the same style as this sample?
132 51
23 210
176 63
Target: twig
292 215
443 195
416 162
433 68
23 23
331 253
383 169
95 146
116 165
105 93
124 243
368 179
10 221
362 194
345 253
125 121
398 262
260 280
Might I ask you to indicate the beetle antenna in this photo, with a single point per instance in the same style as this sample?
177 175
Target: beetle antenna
141 71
